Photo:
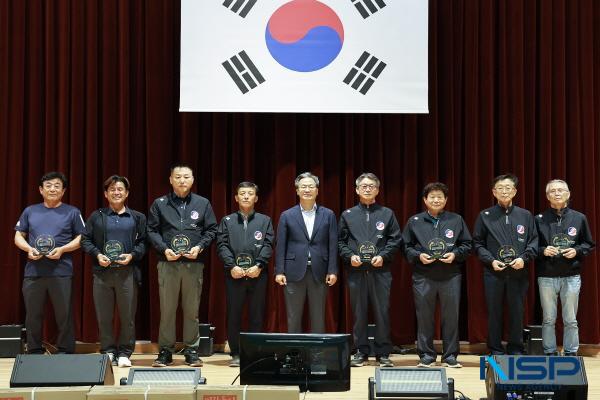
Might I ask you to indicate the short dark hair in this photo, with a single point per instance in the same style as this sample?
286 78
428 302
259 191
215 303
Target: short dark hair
430 187
180 165
509 176
247 184
367 175
114 179
48 176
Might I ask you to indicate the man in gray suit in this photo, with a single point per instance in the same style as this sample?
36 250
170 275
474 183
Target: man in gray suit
306 257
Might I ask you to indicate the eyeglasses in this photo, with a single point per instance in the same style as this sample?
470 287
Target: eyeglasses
309 187
365 187
504 188
557 191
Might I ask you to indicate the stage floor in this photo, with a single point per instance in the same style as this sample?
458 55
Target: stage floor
217 372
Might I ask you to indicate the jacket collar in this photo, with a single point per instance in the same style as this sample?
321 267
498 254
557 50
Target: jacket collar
241 215
369 207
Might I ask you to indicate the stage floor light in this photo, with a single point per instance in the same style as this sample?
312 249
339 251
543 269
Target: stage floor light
163 377
401 383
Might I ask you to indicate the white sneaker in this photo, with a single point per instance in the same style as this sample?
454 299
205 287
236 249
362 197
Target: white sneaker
111 356
124 362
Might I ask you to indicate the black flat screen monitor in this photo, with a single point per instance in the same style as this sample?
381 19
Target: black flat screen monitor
317 362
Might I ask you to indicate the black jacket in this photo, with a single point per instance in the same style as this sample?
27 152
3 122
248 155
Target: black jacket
197 221
575 225
373 223
451 228
94 236
498 226
256 239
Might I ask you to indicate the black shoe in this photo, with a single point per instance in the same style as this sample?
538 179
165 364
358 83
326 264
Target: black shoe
164 358
358 359
191 357
235 361
426 362
570 353
554 353
385 362
113 359
451 362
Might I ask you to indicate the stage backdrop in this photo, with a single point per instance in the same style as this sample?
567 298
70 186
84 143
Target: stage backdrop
92 87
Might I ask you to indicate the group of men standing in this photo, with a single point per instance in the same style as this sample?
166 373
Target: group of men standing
181 226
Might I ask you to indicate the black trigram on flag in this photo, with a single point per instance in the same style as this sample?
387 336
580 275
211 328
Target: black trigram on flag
366 8
243 72
236 6
363 74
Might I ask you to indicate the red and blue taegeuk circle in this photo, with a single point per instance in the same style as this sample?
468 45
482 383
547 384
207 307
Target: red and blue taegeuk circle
304 35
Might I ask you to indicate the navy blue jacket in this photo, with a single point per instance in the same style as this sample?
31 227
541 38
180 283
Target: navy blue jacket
293 244
496 227
575 225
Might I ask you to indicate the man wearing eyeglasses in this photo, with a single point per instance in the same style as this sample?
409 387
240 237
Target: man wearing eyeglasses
565 239
506 240
369 236
306 258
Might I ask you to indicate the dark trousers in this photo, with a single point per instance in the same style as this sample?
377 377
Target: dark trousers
119 284
425 292
240 292
373 287
34 294
516 290
295 295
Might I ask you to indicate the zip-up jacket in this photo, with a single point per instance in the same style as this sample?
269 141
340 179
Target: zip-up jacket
93 238
369 223
451 228
256 238
513 226
197 221
571 223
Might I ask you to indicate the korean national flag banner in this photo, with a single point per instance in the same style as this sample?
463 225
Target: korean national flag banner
331 56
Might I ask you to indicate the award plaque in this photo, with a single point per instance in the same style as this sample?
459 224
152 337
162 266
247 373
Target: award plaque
113 250
44 244
366 251
561 241
181 244
437 248
507 254
244 261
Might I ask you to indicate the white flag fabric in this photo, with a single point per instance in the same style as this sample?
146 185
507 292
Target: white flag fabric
330 56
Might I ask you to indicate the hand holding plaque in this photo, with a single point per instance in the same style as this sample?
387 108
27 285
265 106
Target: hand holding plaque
44 244
181 244
507 254
366 252
244 261
436 248
113 249
562 242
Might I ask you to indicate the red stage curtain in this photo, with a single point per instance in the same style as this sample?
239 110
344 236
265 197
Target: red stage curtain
91 88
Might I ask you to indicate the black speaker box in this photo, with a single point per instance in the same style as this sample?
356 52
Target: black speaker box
205 347
32 370
11 340
532 336
371 339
